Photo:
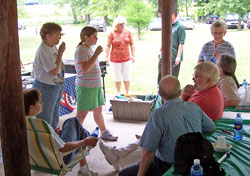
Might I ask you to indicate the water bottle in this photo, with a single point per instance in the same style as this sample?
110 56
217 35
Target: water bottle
238 125
95 133
244 82
196 169
110 109
213 59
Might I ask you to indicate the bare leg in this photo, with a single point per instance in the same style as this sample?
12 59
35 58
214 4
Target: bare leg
118 87
81 115
98 116
127 86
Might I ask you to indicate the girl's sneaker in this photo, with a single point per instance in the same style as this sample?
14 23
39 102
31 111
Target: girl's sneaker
106 135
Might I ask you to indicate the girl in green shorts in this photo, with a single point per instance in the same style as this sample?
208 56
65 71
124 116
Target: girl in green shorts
88 81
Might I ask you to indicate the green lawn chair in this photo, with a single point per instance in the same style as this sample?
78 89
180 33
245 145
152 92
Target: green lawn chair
43 151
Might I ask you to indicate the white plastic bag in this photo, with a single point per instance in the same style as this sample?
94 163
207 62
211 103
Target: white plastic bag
244 94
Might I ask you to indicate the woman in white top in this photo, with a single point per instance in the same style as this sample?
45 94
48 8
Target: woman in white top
228 83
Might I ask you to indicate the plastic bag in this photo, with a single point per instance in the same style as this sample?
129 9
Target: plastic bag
244 94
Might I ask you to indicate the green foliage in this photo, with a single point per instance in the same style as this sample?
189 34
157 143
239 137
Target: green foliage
184 5
138 14
222 7
154 6
76 5
108 8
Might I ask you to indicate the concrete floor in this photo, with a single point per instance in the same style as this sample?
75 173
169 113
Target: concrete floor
126 131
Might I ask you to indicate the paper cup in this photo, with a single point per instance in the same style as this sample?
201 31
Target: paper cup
221 142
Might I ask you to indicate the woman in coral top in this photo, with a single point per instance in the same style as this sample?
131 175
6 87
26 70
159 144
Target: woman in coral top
120 39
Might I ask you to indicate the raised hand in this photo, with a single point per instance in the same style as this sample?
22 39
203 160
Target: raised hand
98 50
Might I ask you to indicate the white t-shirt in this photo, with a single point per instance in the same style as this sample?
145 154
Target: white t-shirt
45 61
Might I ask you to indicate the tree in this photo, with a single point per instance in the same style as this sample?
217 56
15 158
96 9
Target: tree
222 7
107 8
76 6
138 14
184 4
154 5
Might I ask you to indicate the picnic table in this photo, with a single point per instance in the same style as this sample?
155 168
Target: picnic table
238 163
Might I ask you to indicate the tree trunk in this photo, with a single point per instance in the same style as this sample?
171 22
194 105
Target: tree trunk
106 19
74 15
87 18
12 118
239 24
186 7
139 33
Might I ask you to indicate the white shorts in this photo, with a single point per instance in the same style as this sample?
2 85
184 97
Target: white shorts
121 71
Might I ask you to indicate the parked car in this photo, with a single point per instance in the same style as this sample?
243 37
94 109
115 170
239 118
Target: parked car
232 21
247 20
155 24
187 22
212 18
99 23
21 26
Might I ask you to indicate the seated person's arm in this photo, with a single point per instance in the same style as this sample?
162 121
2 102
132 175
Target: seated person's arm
145 162
229 103
187 92
69 146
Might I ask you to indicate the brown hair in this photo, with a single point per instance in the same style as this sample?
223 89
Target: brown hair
228 66
49 28
86 31
30 97
217 24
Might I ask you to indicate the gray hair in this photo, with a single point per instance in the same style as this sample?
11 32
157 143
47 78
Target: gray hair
208 70
218 23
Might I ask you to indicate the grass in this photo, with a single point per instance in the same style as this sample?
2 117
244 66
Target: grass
144 70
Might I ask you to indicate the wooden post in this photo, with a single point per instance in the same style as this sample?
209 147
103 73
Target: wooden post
12 118
166 61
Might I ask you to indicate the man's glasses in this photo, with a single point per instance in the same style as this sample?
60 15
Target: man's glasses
197 77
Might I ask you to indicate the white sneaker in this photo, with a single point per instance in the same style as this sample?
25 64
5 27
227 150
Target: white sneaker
106 135
84 172
107 151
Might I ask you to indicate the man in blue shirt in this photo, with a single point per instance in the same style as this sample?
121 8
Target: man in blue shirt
165 125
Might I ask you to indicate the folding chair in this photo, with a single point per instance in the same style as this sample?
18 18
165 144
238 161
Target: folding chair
43 151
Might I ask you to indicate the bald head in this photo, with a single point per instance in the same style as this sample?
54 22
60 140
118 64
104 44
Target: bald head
169 88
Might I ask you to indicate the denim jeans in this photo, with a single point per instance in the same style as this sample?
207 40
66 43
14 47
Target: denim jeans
157 168
72 131
51 96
